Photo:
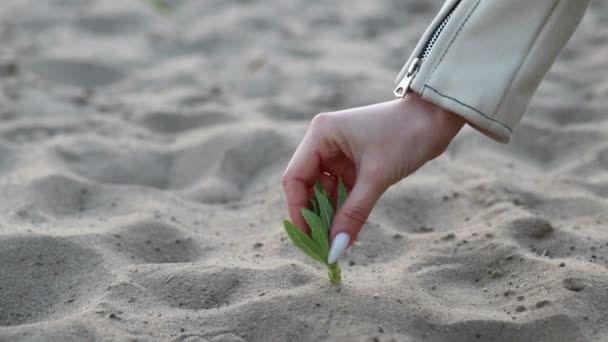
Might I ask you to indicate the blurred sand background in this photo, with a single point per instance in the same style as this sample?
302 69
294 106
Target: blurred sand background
140 164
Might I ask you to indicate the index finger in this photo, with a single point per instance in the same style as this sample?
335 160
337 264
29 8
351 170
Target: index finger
300 174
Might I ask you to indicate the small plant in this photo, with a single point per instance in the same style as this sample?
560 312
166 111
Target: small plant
319 218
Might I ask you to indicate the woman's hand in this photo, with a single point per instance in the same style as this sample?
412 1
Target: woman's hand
371 148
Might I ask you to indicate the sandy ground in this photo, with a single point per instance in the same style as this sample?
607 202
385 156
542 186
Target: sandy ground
140 167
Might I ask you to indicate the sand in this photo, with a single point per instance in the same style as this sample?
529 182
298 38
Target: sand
140 163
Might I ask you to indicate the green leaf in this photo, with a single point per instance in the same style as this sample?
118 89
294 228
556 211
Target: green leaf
318 187
325 208
303 242
318 231
342 193
319 217
314 206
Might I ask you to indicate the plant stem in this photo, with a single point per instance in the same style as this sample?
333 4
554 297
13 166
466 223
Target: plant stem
333 271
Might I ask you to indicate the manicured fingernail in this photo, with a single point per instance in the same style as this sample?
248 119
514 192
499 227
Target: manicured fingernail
338 246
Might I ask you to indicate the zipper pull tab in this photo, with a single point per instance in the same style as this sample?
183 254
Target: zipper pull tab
404 85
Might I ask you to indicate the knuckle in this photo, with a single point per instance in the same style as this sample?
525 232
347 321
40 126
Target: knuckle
321 121
286 180
356 214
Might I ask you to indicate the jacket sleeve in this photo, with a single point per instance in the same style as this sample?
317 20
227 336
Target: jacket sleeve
484 59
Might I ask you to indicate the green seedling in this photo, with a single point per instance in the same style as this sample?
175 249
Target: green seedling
319 218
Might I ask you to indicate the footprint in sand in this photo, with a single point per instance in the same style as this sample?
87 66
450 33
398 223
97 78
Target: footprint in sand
245 162
154 242
109 163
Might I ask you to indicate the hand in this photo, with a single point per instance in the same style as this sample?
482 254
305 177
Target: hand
372 148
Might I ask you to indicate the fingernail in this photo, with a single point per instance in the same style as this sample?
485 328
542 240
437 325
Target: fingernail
338 247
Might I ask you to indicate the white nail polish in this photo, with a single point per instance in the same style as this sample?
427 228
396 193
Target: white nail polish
338 246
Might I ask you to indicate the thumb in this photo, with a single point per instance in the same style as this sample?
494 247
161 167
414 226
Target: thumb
351 217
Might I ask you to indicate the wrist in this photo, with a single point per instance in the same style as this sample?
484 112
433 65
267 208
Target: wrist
449 122
442 124
442 119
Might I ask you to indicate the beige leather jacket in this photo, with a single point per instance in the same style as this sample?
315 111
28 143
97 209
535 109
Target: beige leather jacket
484 59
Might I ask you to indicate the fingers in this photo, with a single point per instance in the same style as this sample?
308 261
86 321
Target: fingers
340 166
329 182
351 217
304 168
296 194
300 174
355 211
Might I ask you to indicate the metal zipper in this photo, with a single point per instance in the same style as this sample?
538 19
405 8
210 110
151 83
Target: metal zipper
416 63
